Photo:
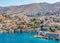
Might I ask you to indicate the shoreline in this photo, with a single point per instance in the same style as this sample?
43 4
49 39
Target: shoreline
40 36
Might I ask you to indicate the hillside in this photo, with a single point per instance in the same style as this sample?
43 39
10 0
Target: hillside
31 9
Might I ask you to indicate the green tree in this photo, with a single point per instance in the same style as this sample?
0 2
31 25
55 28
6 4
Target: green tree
35 26
29 25
52 29
41 22
32 20
0 20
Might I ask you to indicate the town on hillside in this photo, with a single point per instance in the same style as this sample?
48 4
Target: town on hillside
45 26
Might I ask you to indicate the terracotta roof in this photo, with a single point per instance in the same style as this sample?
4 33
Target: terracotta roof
57 32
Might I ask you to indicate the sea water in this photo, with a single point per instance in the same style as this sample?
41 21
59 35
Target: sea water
23 38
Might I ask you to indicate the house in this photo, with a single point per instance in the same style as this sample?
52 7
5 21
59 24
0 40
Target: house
43 31
53 35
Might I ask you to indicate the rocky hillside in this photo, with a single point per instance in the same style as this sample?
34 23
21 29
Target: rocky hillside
31 9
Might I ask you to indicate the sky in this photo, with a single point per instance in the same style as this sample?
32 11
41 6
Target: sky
22 2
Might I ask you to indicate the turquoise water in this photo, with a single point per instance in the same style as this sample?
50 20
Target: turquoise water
23 38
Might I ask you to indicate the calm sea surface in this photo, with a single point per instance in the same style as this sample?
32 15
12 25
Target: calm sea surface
23 38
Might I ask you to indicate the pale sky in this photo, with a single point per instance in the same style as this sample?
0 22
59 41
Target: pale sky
22 2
